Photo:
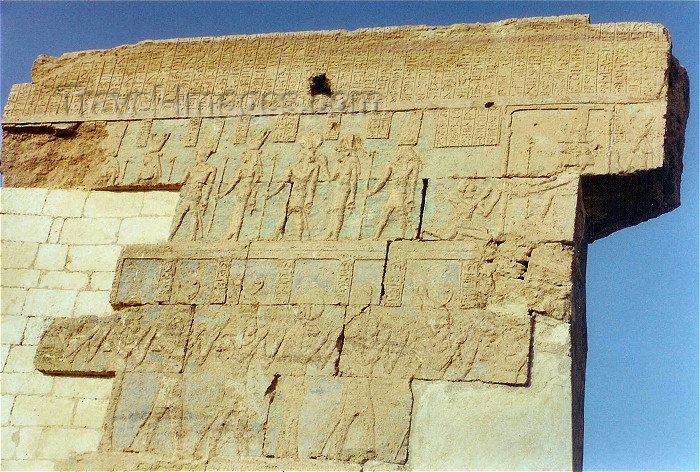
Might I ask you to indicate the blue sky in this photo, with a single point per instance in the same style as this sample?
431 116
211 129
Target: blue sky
642 377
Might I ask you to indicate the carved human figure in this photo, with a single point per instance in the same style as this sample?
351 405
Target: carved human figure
167 405
303 175
232 414
576 150
345 176
246 177
303 342
433 344
466 200
151 170
111 170
403 174
194 196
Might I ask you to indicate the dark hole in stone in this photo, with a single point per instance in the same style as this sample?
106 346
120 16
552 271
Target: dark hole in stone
320 85
488 104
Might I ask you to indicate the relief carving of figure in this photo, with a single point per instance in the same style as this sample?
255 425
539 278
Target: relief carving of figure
194 196
466 200
434 346
167 404
232 414
245 178
304 175
346 174
151 170
403 174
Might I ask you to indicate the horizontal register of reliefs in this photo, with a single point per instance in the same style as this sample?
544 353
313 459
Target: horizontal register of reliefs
543 58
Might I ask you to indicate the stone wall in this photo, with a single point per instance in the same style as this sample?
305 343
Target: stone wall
392 289
59 252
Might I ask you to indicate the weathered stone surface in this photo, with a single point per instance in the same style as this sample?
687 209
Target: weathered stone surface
387 288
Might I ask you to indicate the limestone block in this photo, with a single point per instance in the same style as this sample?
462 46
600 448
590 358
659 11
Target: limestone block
4 352
90 231
90 413
61 443
65 203
12 300
55 231
31 411
159 203
144 230
49 302
113 204
91 302
28 443
64 280
26 383
35 328
18 254
12 328
27 465
101 280
22 201
95 388
91 258
20 359
6 403
20 278
32 228
51 256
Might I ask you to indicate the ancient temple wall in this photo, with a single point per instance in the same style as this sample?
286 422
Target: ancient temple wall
391 289
59 252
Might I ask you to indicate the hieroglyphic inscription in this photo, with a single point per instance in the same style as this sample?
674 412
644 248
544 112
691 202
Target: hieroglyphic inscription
192 134
144 133
467 127
286 128
165 280
223 267
283 287
378 125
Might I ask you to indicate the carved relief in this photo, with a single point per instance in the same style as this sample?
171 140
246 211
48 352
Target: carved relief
151 170
286 128
378 125
303 175
402 176
197 185
192 135
246 177
467 127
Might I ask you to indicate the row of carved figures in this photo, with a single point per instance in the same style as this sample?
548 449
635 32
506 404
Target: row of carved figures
303 174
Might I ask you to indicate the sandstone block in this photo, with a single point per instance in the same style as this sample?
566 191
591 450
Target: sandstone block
113 204
64 280
144 230
65 203
18 254
4 352
92 258
49 302
51 256
32 411
27 465
22 201
90 230
12 328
